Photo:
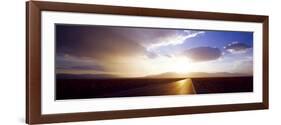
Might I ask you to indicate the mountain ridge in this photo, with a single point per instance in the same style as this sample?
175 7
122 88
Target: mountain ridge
161 75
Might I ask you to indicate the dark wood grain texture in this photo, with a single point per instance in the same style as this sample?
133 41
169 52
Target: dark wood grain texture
34 64
33 61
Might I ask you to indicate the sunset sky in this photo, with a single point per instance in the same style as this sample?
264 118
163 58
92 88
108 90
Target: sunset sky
136 52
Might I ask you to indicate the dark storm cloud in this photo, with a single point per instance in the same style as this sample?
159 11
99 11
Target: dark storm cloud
237 47
203 54
95 42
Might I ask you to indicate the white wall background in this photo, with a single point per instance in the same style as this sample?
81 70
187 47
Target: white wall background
12 62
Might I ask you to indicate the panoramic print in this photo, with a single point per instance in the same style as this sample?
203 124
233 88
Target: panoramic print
94 61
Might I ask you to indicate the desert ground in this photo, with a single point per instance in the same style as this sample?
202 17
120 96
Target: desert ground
134 87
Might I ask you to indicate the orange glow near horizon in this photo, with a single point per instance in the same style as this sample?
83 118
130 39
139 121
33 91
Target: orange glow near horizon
184 87
180 65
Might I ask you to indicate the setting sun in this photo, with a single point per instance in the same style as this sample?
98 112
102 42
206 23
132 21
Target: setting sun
180 65
165 64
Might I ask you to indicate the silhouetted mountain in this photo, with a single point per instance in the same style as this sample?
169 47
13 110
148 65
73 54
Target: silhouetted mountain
84 76
216 74
195 74
162 75
167 75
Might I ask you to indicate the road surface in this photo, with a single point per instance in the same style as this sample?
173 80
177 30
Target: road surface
179 87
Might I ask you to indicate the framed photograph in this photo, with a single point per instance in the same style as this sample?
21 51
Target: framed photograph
94 62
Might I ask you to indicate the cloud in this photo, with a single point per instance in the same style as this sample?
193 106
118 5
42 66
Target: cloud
113 43
68 62
98 42
174 39
89 67
244 66
151 55
203 54
112 49
237 47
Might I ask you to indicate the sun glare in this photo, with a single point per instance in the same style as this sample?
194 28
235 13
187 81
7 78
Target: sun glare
173 64
147 66
180 65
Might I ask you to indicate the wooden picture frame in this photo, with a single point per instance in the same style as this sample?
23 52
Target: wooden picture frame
33 62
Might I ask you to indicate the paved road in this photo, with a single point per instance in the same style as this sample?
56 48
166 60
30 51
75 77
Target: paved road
184 86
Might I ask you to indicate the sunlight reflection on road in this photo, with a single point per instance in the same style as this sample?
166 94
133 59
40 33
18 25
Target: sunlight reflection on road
184 87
